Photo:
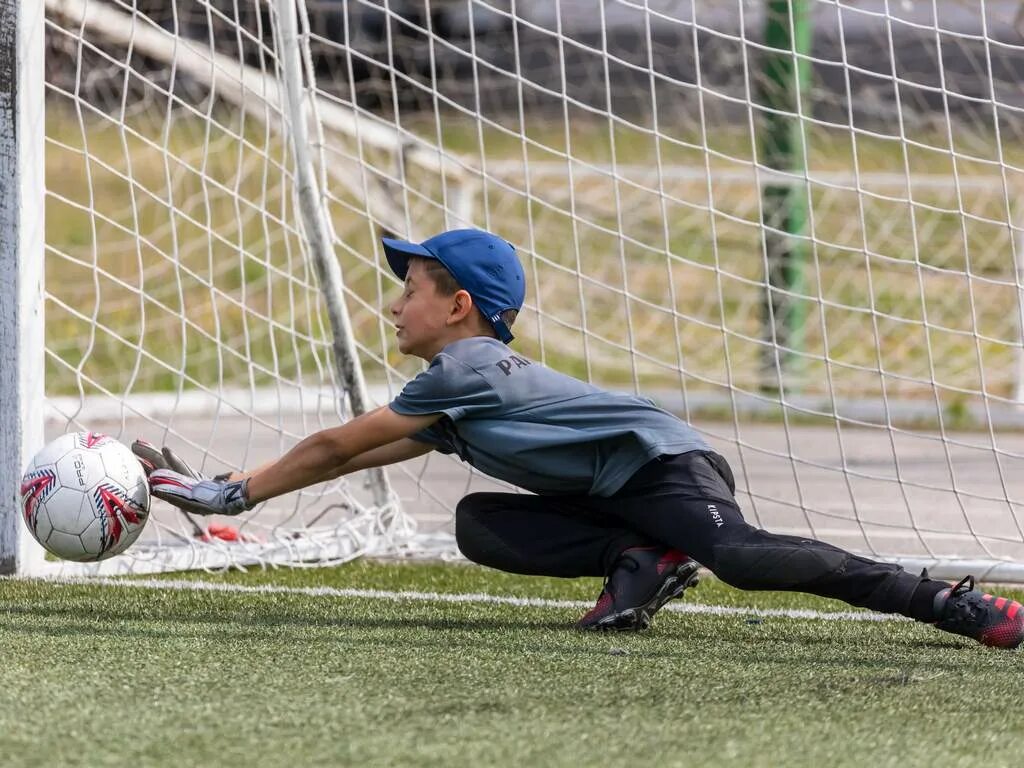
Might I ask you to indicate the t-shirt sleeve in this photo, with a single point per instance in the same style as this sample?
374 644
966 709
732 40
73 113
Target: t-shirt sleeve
448 386
434 436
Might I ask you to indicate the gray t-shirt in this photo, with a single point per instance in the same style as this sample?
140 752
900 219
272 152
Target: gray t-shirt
519 421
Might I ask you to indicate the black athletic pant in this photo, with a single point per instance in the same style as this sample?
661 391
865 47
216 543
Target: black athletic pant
684 502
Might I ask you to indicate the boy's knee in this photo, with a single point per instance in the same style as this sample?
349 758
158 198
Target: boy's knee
469 531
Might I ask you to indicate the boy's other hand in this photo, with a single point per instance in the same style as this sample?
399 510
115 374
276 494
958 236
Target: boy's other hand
200 496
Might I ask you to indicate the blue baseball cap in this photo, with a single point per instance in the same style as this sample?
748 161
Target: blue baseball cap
483 264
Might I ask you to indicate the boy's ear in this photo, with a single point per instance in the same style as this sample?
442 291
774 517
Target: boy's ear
462 306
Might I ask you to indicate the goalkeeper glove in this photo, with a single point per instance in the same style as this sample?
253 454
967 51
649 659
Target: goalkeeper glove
203 497
174 481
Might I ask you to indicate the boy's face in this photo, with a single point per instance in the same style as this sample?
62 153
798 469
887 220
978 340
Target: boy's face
420 314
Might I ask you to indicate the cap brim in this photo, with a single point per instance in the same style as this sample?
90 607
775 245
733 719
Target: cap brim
398 253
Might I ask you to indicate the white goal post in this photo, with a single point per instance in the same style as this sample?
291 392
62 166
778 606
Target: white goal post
21 269
796 223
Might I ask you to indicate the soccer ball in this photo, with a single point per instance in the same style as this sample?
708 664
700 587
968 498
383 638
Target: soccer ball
85 497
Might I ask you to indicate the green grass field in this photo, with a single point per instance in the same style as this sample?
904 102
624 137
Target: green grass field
101 675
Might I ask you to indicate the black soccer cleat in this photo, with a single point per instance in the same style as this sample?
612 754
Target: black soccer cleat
641 582
993 621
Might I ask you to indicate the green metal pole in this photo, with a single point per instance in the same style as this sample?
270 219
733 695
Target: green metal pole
782 92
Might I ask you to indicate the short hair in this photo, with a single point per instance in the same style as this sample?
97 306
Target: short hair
443 280
446 285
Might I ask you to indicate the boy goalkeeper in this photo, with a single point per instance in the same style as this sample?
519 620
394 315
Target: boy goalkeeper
621 488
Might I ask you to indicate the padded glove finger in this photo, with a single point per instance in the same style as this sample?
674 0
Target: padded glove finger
179 465
149 456
153 458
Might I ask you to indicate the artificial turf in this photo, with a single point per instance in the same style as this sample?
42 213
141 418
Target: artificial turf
105 675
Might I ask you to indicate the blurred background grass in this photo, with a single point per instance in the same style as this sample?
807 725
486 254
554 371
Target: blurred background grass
175 258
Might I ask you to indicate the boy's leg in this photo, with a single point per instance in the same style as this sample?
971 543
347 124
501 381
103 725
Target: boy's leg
541 535
686 501
567 537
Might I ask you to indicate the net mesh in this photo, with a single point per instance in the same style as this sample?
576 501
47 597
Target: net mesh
646 158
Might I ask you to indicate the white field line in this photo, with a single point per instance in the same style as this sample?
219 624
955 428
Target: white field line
471 597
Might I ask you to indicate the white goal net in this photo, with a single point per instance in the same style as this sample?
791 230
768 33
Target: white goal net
796 223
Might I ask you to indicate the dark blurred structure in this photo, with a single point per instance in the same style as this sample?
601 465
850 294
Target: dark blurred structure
869 69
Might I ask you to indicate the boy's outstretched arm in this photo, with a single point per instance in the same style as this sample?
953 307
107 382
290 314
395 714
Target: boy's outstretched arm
392 453
373 439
